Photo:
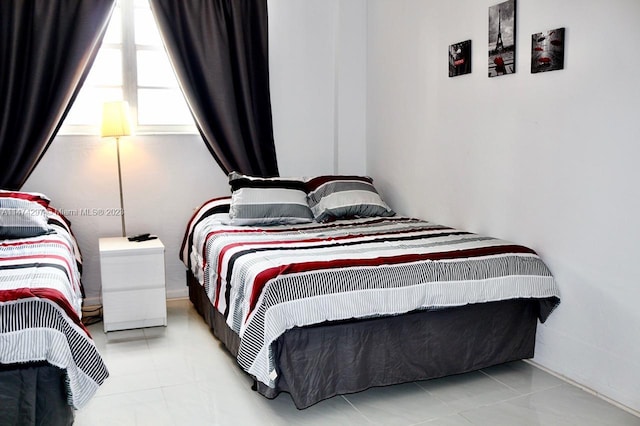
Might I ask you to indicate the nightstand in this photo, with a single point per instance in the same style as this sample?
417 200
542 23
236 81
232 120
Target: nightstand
133 283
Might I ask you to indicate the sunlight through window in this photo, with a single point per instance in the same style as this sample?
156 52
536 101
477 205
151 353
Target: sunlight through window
132 65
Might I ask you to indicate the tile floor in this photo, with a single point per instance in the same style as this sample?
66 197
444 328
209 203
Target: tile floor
181 375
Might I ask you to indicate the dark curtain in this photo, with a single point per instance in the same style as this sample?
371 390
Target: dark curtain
46 50
219 51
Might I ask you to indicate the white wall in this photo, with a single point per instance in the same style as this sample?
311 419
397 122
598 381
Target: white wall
547 160
318 64
318 117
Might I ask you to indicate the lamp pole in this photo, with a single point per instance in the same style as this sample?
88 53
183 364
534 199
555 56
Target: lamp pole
124 232
116 123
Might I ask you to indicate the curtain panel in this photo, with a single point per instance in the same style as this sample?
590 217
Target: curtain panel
46 50
219 51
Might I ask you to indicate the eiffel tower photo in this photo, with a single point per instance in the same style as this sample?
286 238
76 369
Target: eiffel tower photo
501 42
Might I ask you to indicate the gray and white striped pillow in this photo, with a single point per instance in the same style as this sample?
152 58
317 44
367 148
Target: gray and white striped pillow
339 197
22 219
267 201
36 197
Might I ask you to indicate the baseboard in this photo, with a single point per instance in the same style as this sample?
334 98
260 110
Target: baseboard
584 388
181 293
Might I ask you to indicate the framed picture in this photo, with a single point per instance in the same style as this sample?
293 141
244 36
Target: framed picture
460 58
547 51
502 38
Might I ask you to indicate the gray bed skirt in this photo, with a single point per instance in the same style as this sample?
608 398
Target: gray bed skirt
34 394
321 361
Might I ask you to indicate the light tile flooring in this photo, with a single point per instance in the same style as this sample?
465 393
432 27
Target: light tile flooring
181 375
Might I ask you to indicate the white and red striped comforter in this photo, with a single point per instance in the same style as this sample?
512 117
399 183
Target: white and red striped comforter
266 280
40 309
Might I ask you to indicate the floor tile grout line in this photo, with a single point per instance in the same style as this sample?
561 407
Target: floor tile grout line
432 394
519 393
356 408
583 387
516 390
455 410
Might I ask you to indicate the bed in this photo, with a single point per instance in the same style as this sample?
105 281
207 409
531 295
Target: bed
356 296
49 364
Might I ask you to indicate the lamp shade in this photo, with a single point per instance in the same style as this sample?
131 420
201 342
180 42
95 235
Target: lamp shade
116 121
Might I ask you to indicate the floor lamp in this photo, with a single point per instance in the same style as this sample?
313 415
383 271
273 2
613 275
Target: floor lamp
116 123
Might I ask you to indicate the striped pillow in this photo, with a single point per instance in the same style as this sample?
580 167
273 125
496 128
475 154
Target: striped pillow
339 197
29 196
20 218
267 201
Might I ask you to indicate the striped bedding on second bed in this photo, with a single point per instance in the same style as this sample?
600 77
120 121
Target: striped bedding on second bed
40 309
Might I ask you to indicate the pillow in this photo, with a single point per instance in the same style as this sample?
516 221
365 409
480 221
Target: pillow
267 201
41 199
20 218
339 197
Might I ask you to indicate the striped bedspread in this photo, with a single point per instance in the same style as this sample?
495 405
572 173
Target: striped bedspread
40 309
266 280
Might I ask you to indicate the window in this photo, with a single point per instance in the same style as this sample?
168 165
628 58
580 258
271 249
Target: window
132 65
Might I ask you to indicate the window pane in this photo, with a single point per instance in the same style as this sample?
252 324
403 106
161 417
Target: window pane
154 69
145 26
163 106
131 65
107 68
87 108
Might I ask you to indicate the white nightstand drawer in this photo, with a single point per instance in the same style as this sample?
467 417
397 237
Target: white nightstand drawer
132 272
134 309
